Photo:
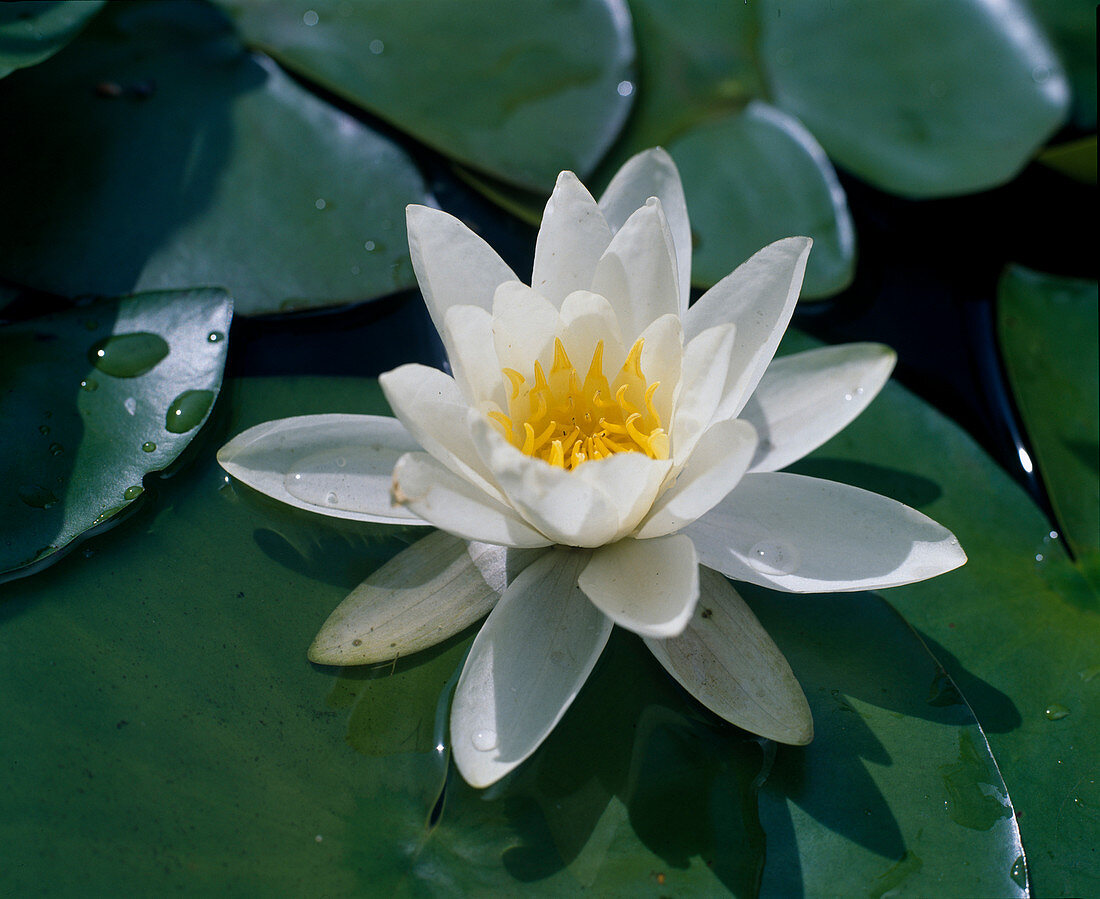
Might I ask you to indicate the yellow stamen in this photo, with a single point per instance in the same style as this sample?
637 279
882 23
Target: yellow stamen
567 421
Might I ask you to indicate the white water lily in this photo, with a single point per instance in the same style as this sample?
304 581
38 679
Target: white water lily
604 454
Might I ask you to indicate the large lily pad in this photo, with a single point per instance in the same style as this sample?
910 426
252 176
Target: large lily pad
1048 329
517 90
93 400
167 731
1017 627
919 97
32 32
167 156
752 174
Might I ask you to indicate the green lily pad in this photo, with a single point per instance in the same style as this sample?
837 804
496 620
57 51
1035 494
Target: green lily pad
214 758
920 97
1017 627
171 157
1048 328
32 32
520 91
758 176
94 399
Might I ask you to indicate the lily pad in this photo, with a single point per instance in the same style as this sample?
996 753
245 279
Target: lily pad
1017 627
479 82
920 97
1048 328
214 758
32 32
171 157
94 399
755 177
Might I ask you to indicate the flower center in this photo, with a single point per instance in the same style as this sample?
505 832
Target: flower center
565 421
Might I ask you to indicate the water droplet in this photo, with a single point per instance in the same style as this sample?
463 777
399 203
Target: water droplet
847 397
625 88
341 462
320 203
355 270
215 336
149 447
376 47
1040 74
43 429
89 384
130 405
1018 872
331 499
56 449
340 478
1053 535
368 246
132 492
773 557
1056 711
1038 557
187 410
128 355
859 391
38 497
310 17
484 740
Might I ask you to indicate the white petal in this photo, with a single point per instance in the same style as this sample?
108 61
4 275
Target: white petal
637 273
726 660
586 318
647 586
525 668
468 334
338 465
652 173
571 241
455 505
423 595
524 326
758 297
429 404
631 481
702 385
806 535
662 361
805 399
715 467
567 509
453 265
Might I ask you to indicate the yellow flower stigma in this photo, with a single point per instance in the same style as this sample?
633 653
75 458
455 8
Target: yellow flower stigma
565 421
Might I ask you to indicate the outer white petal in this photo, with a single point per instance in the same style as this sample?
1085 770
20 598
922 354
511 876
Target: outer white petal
758 297
338 465
453 265
726 660
468 333
420 597
455 505
806 535
637 273
647 586
715 467
524 326
525 668
805 399
705 366
573 237
652 173
630 480
429 404
566 508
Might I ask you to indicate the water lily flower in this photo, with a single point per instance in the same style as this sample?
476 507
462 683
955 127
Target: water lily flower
604 454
